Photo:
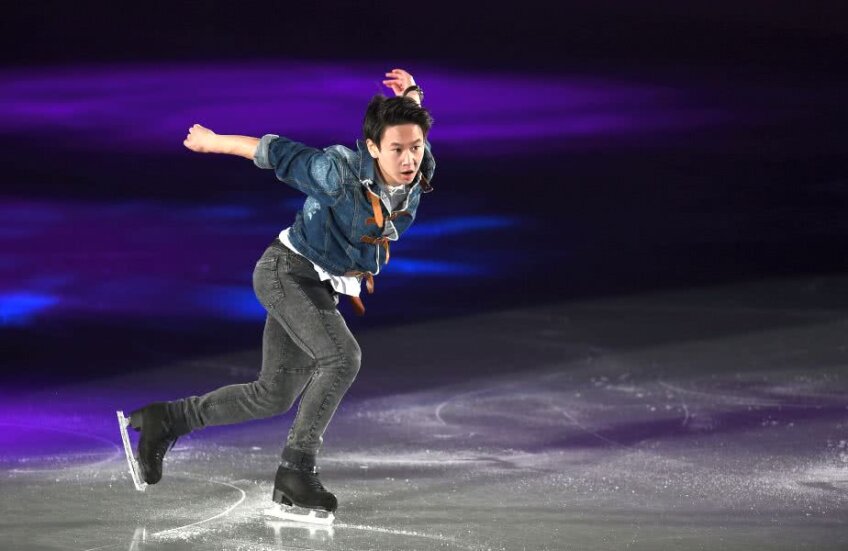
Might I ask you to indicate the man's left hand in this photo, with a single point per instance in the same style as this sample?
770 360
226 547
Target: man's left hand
399 80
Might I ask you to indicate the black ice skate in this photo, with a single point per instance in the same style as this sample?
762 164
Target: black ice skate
301 496
158 434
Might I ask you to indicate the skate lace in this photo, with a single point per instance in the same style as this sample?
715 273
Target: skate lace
313 482
163 448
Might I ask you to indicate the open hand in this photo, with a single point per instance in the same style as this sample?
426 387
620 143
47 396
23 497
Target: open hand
200 139
399 80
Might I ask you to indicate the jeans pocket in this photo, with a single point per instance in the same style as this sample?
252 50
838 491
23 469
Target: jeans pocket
266 283
297 263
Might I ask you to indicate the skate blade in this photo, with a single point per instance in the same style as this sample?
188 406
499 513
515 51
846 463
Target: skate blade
301 514
123 423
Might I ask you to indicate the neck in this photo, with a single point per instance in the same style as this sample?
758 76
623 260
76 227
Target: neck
383 176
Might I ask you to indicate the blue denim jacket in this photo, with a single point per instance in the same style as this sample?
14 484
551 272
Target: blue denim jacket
338 181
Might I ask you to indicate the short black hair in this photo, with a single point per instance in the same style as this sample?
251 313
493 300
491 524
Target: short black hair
382 112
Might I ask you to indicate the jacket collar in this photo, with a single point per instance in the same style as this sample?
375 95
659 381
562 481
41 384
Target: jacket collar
368 173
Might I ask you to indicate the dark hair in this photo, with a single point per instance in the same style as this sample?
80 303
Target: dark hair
382 112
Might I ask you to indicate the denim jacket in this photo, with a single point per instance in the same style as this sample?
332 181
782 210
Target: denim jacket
329 229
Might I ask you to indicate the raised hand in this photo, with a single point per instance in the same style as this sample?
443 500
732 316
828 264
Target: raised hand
399 80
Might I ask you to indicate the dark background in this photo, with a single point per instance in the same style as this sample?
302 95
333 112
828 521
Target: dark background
805 38
743 202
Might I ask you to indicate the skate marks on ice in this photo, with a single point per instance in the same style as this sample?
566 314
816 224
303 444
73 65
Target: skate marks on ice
412 534
227 511
144 536
622 400
326 534
57 457
241 530
717 433
107 511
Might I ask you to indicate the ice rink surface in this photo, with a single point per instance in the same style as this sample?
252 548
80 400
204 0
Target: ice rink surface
711 418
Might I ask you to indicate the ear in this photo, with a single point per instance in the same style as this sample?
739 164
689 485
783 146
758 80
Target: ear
372 148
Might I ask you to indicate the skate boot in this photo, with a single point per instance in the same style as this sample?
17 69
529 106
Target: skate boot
293 486
301 496
159 433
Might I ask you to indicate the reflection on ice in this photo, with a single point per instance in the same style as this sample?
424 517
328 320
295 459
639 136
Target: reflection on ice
316 532
138 539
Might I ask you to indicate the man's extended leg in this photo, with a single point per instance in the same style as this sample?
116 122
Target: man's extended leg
286 370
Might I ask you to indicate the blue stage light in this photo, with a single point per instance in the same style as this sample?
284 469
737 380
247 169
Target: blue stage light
19 308
458 225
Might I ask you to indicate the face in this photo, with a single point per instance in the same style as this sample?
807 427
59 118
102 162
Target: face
400 153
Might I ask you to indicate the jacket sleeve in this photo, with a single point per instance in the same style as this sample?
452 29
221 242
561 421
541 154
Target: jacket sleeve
307 169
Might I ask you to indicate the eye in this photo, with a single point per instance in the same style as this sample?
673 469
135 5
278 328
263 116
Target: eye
417 147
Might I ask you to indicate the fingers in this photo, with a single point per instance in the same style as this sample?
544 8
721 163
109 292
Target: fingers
399 81
399 74
190 137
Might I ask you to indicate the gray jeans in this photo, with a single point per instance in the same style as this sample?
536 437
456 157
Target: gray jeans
306 348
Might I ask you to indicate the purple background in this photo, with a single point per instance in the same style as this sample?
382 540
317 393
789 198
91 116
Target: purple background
585 148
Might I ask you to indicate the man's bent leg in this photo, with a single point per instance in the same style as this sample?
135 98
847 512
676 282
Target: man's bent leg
324 393
310 316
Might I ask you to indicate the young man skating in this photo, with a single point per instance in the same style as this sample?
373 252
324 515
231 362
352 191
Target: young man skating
357 203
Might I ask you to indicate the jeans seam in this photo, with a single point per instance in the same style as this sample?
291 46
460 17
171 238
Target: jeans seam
210 404
298 293
339 350
315 311
336 378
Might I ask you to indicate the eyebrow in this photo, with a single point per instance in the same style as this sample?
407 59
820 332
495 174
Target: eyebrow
415 142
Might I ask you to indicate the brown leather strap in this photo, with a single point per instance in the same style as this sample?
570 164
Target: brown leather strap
356 302
378 211
393 216
384 241
358 307
369 282
368 276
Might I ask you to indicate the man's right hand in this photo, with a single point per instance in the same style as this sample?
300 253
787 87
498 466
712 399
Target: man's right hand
201 140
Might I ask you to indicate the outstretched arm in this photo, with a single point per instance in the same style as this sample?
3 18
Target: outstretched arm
203 140
305 168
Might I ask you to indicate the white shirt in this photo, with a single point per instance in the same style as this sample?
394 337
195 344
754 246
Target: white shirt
346 285
392 196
